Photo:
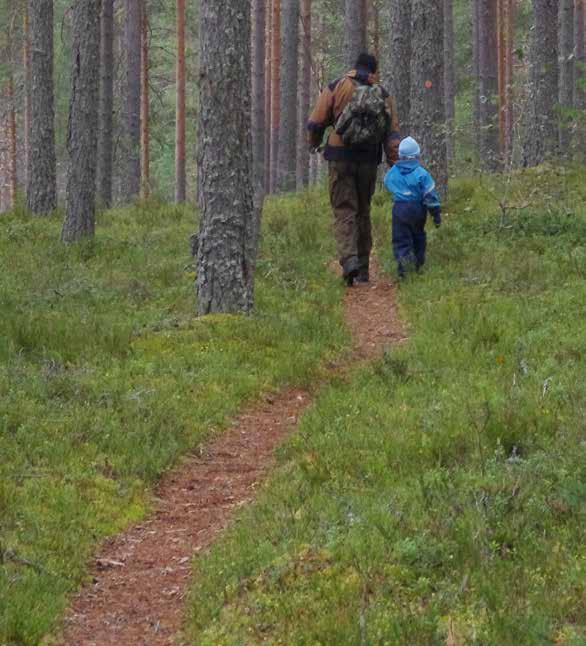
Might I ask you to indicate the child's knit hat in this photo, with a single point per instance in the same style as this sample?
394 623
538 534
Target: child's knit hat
409 148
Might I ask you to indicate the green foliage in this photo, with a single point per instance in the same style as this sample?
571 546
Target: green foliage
107 377
438 496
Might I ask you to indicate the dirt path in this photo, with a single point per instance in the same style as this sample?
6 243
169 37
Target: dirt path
140 577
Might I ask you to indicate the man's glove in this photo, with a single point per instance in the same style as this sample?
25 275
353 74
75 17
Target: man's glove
436 214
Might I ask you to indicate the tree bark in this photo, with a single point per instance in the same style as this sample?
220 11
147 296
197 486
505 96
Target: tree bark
476 70
106 109
132 37
542 136
42 173
83 123
580 99
510 18
180 125
304 95
9 125
258 97
400 68
268 80
289 74
145 134
3 157
428 115
275 91
488 86
356 28
26 63
505 75
4 182
450 75
567 72
11 140
225 273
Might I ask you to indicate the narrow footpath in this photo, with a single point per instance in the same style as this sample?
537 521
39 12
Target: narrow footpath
140 577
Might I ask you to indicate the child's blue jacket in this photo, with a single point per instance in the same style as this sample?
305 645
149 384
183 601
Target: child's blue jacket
408 181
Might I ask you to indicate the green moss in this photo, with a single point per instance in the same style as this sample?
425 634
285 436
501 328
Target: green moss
441 492
107 377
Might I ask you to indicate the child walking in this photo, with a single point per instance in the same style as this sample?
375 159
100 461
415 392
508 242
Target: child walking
414 194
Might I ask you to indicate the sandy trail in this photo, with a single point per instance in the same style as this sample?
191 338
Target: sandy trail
140 577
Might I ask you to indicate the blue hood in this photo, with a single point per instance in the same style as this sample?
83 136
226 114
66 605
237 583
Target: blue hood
407 166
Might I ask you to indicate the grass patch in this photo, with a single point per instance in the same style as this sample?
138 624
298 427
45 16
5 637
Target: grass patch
439 495
107 377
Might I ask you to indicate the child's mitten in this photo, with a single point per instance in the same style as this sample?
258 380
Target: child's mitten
436 214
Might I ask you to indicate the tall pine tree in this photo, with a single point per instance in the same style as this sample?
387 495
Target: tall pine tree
289 72
83 123
428 114
542 129
225 267
42 165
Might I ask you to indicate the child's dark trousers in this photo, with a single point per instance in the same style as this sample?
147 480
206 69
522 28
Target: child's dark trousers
409 238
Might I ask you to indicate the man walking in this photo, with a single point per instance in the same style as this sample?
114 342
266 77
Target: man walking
364 120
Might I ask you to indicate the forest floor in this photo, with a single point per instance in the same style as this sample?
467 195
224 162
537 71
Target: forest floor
438 494
434 494
107 378
141 577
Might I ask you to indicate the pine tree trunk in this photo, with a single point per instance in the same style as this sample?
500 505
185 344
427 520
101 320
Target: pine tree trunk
258 96
567 75
289 75
476 71
356 26
4 206
268 79
428 115
502 61
132 37
275 91
542 128
304 95
11 166
83 123
3 152
510 19
400 83
450 76
488 87
42 174
106 109
376 29
580 54
10 120
180 125
226 246
145 138
26 64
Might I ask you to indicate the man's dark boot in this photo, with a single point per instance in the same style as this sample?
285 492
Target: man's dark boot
363 273
350 270
363 276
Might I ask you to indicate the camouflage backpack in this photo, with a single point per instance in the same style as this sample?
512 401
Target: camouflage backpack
364 120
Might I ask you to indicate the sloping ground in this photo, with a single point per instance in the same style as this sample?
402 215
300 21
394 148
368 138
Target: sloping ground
141 577
439 495
107 379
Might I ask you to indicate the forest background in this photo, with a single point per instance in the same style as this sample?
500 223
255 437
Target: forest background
397 510
328 58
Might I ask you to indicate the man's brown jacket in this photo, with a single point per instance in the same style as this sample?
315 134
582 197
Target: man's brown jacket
330 106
